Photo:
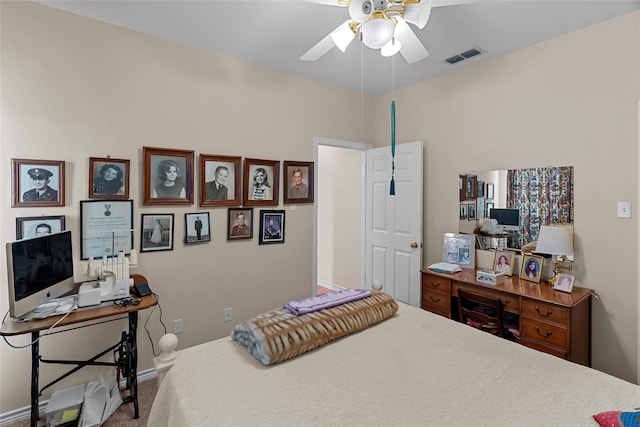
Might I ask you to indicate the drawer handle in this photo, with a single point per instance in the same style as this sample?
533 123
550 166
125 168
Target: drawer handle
544 315
434 299
434 284
507 301
542 335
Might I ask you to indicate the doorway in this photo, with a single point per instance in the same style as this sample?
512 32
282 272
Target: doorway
339 214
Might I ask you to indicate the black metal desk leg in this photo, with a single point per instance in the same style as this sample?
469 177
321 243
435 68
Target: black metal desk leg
35 367
133 380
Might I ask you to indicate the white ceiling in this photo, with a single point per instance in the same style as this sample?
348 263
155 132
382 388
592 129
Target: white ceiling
276 33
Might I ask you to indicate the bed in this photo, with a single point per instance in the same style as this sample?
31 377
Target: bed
413 369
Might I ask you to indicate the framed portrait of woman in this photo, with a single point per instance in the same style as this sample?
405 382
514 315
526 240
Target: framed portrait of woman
156 232
220 180
531 268
38 183
108 178
503 262
261 180
168 176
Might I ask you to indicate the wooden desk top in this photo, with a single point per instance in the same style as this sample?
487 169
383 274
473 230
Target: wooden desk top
84 314
525 288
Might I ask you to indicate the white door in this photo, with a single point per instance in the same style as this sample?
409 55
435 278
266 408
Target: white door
393 236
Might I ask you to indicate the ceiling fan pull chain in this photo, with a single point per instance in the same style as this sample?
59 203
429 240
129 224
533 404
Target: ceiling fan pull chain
392 187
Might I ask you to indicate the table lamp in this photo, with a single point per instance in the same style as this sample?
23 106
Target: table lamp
556 241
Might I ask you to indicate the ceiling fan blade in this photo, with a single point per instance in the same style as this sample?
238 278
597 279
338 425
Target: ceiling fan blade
411 46
322 47
325 2
438 3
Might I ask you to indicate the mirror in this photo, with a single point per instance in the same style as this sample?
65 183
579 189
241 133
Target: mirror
522 200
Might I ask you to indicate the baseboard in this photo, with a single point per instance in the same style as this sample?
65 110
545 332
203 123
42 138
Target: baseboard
330 285
24 413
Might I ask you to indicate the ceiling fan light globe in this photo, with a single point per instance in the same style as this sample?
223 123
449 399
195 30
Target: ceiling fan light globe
391 48
360 10
417 13
377 32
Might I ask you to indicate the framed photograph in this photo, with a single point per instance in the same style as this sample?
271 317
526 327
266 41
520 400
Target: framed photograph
503 262
531 268
168 176
480 208
33 226
106 226
271 227
108 178
261 180
471 211
37 182
298 182
471 187
489 191
459 249
463 211
564 283
156 232
197 227
480 189
239 223
488 210
220 180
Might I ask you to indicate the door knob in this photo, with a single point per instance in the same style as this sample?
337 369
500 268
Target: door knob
414 245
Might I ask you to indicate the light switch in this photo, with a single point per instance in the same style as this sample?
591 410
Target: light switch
624 209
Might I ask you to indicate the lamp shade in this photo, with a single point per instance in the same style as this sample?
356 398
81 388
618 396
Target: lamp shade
391 48
554 241
418 13
377 32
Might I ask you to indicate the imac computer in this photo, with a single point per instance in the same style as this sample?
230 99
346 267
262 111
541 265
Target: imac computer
508 219
39 270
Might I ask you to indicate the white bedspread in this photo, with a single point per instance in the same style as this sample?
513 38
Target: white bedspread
415 369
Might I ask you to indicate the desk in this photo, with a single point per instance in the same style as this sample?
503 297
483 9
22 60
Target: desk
551 321
126 348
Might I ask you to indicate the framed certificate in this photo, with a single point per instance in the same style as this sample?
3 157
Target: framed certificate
106 227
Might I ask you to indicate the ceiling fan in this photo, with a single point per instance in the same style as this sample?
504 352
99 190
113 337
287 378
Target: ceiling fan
380 24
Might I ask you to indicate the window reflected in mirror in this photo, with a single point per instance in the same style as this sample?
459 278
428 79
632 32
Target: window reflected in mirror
522 200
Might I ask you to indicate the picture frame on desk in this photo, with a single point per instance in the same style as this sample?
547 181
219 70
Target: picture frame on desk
503 262
564 283
459 249
531 268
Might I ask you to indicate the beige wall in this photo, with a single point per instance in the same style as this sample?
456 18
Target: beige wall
340 218
572 100
73 88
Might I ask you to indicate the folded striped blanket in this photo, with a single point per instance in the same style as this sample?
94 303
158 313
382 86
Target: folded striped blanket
280 335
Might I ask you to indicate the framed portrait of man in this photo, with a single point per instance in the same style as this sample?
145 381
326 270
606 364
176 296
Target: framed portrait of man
298 182
240 223
197 228
220 180
168 176
261 180
38 182
34 226
271 227
108 178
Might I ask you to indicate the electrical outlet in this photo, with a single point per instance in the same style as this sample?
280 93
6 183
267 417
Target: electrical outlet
624 209
177 326
228 314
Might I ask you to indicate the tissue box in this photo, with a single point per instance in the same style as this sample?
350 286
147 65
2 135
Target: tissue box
64 406
490 277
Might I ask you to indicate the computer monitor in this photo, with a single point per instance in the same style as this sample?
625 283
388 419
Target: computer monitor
39 270
508 219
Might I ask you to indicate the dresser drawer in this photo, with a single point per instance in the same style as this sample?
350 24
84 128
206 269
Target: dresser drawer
436 301
542 331
543 311
436 283
544 348
509 302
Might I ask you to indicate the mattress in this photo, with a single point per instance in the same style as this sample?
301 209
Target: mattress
414 369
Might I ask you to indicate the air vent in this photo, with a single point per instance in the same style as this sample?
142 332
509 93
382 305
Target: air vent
464 55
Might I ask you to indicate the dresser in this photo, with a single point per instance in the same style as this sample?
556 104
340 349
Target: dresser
551 321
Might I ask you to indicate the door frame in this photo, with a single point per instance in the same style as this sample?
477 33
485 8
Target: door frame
317 141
